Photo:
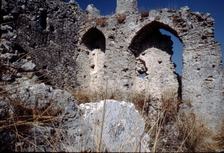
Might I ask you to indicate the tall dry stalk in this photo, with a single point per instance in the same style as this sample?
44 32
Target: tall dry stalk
103 118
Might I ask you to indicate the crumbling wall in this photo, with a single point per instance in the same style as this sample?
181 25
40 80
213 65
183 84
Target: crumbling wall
130 35
41 35
65 47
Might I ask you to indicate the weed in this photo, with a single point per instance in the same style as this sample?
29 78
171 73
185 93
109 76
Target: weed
144 14
193 135
196 135
121 18
102 22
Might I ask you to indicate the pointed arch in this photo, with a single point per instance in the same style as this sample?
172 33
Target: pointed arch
94 39
150 36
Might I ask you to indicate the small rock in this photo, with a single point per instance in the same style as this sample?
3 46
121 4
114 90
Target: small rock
29 66
30 75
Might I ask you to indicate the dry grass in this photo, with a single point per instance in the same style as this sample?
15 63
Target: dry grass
140 102
83 95
144 14
20 124
160 129
102 22
121 18
197 137
192 137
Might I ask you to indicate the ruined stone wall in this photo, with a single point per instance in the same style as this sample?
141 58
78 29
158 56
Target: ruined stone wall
146 73
39 38
133 46
126 6
123 55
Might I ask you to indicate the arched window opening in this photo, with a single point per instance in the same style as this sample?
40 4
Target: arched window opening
177 51
94 39
160 36
150 36
176 57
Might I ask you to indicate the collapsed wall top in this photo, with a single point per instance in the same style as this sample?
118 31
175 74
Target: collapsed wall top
124 6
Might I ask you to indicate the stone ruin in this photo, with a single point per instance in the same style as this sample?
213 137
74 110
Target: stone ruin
122 56
123 46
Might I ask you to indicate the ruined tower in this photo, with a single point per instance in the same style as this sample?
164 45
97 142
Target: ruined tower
124 6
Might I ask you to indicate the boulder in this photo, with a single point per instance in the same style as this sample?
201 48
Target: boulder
122 128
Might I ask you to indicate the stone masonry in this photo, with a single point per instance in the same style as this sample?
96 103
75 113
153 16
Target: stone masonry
123 55
134 46
126 6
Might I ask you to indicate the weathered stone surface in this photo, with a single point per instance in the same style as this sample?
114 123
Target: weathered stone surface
122 129
92 12
57 125
96 58
152 63
29 66
40 28
201 58
126 6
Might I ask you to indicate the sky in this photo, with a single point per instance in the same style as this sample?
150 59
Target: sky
214 7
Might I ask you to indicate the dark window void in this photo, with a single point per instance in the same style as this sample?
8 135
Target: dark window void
42 20
150 36
94 39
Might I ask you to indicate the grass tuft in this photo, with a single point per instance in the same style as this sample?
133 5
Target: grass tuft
121 18
197 137
144 14
102 22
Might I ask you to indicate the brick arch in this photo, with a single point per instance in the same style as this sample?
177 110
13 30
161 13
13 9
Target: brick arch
94 39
